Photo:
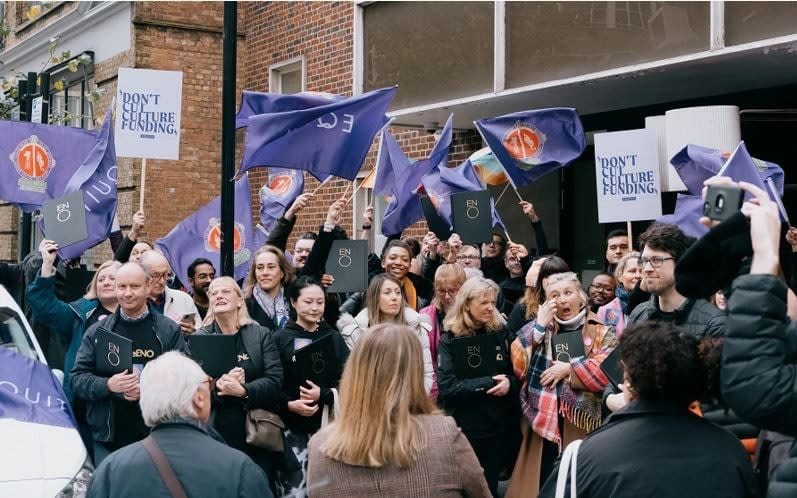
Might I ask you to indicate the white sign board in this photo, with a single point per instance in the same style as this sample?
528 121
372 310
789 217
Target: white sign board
148 105
627 173
36 110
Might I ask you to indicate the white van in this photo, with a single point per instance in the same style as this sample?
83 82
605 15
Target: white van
41 453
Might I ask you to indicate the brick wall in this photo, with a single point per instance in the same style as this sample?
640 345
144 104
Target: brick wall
322 32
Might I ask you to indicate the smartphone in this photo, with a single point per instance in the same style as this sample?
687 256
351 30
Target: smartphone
188 316
722 202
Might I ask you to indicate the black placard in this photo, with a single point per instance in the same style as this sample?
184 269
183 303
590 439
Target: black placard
436 223
113 353
65 219
472 216
567 345
348 264
613 369
476 356
214 353
317 362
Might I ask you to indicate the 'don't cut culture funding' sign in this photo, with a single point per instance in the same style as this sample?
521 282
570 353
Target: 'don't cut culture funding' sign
627 176
148 105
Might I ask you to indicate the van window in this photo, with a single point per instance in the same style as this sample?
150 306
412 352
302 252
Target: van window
13 335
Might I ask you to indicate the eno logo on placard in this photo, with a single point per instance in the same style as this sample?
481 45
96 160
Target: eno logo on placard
34 162
524 143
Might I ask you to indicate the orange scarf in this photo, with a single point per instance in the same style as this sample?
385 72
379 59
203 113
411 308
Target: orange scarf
409 293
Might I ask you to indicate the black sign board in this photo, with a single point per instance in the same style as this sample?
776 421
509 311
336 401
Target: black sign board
113 353
476 356
65 219
317 362
214 353
472 216
613 369
567 345
348 264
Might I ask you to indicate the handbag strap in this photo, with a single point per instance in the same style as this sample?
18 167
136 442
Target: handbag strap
164 469
568 464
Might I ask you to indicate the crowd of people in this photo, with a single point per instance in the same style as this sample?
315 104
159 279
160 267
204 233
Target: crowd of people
705 380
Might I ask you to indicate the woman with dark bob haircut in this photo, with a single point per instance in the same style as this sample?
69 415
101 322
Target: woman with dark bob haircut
655 446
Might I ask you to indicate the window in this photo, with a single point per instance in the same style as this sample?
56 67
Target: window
287 77
70 102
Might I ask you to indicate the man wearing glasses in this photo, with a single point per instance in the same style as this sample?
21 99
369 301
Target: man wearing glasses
663 245
172 303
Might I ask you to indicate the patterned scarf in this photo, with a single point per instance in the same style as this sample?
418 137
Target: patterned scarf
276 308
542 405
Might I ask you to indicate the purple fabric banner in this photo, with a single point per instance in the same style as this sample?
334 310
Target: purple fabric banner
253 103
330 139
531 144
444 182
199 235
281 189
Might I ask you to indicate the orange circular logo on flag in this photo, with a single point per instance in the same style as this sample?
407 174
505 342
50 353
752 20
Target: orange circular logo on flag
213 238
33 159
523 142
281 185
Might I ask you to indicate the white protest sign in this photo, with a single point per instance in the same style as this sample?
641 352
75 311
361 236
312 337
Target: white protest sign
627 173
148 105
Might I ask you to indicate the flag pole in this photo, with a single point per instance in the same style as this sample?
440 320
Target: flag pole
143 184
326 180
630 233
355 192
502 193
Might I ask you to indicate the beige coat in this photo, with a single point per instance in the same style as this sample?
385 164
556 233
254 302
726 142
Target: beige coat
447 467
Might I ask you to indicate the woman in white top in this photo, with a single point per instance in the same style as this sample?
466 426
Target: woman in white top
385 303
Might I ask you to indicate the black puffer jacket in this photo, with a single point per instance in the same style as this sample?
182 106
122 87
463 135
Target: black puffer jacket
697 316
759 365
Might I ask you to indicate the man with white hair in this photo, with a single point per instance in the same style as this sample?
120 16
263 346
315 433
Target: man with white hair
181 451
172 303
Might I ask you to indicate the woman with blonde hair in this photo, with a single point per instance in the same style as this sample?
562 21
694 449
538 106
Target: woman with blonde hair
561 395
385 303
628 274
264 288
526 308
389 439
482 406
448 278
255 380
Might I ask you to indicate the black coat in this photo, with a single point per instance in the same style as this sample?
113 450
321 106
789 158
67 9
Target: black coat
655 449
477 413
203 464
759 365
87 385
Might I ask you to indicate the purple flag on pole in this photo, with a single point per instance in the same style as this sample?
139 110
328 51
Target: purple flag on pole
38 160
444 182
25 380
688 210
695 164
199 235
253 103
280 190
531 144
330 139
391 163
96 178
405 208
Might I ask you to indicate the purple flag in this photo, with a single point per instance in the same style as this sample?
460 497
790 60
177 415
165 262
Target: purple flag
441 184
199 235
391 163
405 208
688 210
25 380
330 139
37 161
743 168
281 189
695 164
96 178
531 144
253 103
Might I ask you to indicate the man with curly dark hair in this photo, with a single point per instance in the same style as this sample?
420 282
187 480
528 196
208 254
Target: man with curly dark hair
656 446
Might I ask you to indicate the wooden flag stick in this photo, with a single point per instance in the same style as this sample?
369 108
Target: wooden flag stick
143 184
321 185
630 234
516 193
355 192
502 193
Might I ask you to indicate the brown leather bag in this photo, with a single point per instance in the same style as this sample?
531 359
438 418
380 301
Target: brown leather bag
264 430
